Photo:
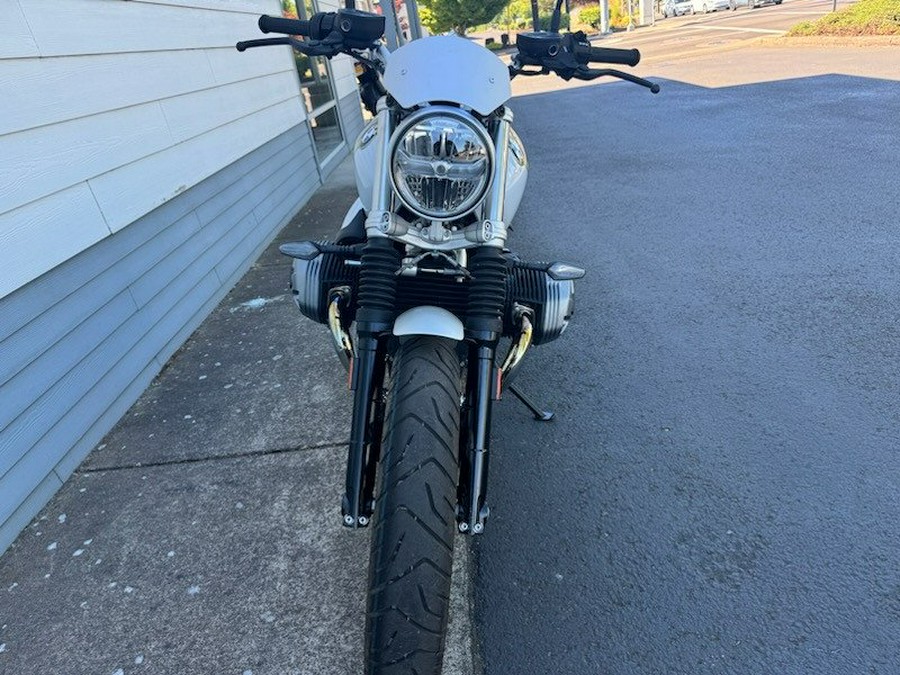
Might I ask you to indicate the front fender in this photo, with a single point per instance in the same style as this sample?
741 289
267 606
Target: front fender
428 320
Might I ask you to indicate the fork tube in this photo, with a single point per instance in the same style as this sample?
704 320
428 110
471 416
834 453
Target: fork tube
380 215
496 198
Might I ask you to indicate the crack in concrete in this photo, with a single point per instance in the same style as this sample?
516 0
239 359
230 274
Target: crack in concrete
212 458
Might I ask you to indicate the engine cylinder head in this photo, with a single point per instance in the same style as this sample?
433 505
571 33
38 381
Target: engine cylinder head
552 300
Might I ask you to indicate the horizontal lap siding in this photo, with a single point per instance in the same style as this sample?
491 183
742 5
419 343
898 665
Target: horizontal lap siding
146 164
87 337
115 107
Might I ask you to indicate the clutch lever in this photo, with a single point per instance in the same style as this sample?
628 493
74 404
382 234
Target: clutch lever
594 73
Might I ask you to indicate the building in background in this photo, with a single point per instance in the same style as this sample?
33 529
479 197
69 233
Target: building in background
144 165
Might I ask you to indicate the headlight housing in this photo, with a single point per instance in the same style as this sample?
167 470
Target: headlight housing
441 161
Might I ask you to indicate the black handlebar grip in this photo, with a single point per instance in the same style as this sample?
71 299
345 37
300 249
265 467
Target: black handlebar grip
276 24
625 57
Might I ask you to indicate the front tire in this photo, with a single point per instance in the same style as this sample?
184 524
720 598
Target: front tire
415 515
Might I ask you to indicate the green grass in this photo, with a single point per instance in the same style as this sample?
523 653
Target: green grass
865 17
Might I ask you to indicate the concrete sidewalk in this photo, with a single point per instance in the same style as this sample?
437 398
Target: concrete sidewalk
203 535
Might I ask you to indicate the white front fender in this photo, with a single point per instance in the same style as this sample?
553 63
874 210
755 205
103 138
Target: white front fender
428 320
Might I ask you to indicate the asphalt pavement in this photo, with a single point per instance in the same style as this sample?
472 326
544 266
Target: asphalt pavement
720 490
203 535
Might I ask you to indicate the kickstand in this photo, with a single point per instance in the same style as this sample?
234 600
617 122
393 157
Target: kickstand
539 415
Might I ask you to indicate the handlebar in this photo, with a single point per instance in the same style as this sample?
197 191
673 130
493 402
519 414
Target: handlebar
568 55
624 57
277 24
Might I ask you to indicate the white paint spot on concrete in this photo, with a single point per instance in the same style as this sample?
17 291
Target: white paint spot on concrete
78 553
98 561
2 648
52 547
256 303
139 659
46 576
277 357
217 364
228 386
268 617
62 518
87 542
83 490
558 577
247 672
101 446
11 588
170 554
187 417
118 671
193 590
113 584
83 605
202 377
38 533
239 505
129 589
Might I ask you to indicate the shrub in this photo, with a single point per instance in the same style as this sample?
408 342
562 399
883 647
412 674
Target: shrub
865 17
590 16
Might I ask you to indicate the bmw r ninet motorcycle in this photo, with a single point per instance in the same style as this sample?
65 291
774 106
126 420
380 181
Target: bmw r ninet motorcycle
421 266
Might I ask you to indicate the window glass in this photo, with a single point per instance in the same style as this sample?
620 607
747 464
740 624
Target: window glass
313 71
326 130
316 87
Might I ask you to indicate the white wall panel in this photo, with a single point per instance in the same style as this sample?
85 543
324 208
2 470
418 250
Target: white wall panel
230 65
130 191
16 40
42 161
344 75
250 6
102 26
47 91
196 113
38 237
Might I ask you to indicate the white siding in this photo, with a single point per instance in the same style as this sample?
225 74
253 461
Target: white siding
119 106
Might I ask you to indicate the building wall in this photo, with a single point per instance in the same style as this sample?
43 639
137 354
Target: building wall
144 164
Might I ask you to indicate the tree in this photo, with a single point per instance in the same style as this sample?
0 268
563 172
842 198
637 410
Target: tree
459 15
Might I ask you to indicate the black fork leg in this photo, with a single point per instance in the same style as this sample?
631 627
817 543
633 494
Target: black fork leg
481 399
379 263
365 365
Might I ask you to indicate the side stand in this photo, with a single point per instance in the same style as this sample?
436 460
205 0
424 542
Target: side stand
539 415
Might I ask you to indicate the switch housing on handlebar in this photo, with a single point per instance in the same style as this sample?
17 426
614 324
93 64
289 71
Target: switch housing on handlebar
567 55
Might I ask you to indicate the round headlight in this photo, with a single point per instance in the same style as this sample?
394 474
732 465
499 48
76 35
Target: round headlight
441 163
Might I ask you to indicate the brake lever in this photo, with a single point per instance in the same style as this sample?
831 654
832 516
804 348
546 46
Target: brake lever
308 48
592 74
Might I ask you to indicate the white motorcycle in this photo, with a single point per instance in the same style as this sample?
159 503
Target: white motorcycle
421 267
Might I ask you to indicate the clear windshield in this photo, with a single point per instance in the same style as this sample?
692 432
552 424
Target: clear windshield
447 68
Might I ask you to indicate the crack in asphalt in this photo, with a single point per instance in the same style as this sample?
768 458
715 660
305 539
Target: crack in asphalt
212 458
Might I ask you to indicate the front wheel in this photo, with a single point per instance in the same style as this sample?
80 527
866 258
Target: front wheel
415 515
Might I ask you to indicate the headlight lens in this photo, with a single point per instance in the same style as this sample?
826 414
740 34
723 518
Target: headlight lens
441 164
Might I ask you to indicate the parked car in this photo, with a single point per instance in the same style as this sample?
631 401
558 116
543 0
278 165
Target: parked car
759 3
707 6
677 8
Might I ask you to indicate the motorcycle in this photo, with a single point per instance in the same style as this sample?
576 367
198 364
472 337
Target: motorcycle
421 267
